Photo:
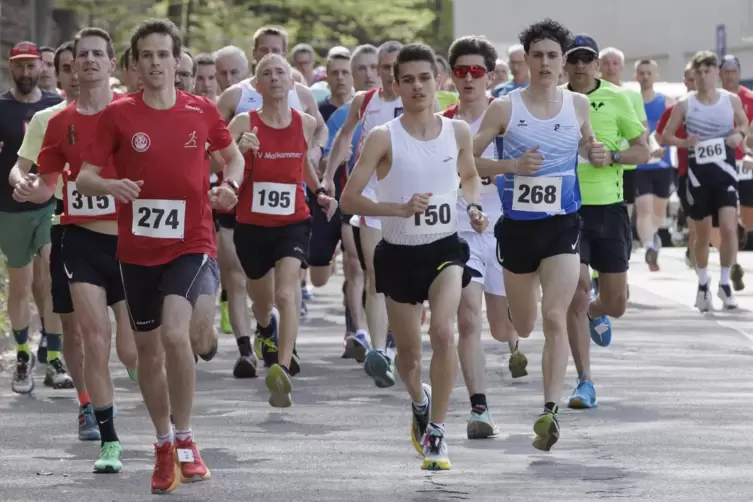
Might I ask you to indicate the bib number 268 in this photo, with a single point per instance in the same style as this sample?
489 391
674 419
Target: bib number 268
159 219
537 194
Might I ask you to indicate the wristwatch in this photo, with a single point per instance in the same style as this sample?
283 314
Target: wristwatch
232 184
616 157
477 206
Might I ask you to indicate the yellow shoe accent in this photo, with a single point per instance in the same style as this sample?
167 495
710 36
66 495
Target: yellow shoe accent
225 325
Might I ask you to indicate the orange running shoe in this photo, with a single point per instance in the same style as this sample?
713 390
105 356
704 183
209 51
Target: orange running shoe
166 475
192 467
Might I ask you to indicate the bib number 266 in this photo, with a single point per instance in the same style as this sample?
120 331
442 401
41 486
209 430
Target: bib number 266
711 150
158 218
540 194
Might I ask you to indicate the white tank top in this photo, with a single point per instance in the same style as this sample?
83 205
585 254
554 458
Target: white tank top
251 99
378 112
489 195
420 167
710 121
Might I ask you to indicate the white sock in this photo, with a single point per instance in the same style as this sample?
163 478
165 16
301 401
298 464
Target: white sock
184 435
649 245
724 277
703 275
423 404
362 332
169 438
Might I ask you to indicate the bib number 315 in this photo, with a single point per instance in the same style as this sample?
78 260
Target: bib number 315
537 194
440 216
710 151
159 218
87 205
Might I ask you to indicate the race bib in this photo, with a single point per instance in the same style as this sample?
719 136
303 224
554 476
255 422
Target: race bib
743 175
274 198
439 218
537 194
710 151
87 205
159 218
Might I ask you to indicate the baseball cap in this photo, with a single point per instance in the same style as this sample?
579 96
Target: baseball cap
582 42
729 60
24 50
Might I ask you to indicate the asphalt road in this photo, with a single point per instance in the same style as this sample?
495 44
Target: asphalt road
673 391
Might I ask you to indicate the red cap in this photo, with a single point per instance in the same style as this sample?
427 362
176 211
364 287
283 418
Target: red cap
24 50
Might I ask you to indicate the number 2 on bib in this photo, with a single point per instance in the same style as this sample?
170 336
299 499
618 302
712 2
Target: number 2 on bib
274 198
159 218
710 151
537 194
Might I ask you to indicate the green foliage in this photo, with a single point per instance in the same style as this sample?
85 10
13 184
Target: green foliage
211 24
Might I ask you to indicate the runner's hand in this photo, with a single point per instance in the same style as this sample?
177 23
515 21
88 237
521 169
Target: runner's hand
530 162
327 203
249 141
124 190
597 154
747 163
479 220
659 153
222 197
734 140
417 204
24 189
692 140
329 185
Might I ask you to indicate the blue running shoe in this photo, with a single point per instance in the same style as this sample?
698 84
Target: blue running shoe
357 346
381 368
87 424
601 329
584 396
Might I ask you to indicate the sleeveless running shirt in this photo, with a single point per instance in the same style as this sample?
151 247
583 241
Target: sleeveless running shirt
272 191
420 167
489 197
554 188
376 113
654 110
712 123
252 100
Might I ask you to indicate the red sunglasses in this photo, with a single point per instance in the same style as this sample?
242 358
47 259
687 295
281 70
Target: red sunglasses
476 71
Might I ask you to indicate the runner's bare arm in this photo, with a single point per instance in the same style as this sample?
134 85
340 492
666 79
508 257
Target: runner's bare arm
310 176
470 182
375 152
309 106
344 138
28 153
19 171
234 163
677 117
583 113
228 102
238 125
494 122
89 182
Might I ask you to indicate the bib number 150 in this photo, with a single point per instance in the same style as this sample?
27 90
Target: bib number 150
434 215
159 219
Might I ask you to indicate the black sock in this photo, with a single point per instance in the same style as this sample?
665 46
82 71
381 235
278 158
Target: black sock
223 296
106 424
285 368
478 403
267 331
550 406
244 345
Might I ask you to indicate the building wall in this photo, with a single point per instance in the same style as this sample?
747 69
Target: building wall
668 31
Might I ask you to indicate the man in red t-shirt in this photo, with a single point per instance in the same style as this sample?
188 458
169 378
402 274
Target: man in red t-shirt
273 219
91 233
156 141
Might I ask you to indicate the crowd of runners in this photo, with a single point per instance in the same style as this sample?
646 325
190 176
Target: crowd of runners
442 183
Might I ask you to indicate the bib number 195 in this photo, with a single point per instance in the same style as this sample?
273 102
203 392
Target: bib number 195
159 219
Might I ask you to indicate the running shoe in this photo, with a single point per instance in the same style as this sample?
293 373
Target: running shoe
419 422
480 425
356 347
109 458
584 396
56 375
167 473
87 424
435 451
23 380
192 467
245 367
381 368
546 430
279 385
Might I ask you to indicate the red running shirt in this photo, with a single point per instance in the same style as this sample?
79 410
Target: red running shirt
166 150
68 133
746 96
272 191
682 153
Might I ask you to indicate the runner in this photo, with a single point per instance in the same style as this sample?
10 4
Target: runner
606 236
185 78
364 66
47 80
26 226
520 73
129 74
232 66
716 125
544 128
303 59
371 109
501 74
730 76
272 234
165 228
416 159
206 76
90 232
63 321
653 180
472 60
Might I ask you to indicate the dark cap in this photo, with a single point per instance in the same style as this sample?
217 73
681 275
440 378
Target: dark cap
729 60
24 50
582 42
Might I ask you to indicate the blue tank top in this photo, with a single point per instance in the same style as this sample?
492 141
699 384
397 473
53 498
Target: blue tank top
553 190
654 110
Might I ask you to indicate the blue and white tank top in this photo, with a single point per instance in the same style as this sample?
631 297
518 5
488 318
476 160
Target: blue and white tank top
554 188
654 110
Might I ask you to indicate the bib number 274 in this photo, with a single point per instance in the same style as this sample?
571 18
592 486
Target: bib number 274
159 219
537 194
